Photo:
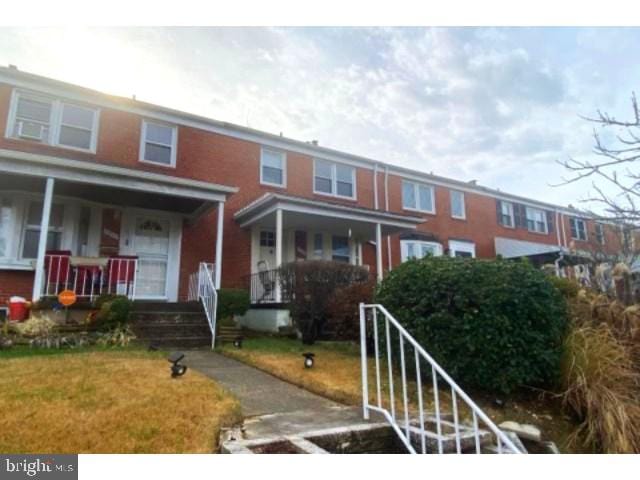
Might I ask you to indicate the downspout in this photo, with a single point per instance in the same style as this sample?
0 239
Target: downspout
564 231
386 207
375 186
558 228
557 263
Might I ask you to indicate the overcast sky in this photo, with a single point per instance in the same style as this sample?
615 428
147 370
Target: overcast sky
493 104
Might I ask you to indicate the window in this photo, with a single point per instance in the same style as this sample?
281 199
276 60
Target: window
578 228
340 249
6 226
273 167
55 122
419 249
32 229
416 196
599 233
158 144
505 214
457 204
4 314
536 220
318 247
267 238
458 248
334 179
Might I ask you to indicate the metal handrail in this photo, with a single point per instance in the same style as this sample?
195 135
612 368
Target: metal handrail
503 442
208 296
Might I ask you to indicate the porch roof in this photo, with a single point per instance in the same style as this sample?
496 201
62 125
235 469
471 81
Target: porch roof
511 248
324 212
111 184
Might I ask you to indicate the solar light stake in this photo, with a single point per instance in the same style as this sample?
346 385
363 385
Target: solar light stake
308 359
237 342
177 370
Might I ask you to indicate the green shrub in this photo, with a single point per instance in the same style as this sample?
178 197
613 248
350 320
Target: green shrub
232 302
309 286
114 312
492 324
569 288
343 322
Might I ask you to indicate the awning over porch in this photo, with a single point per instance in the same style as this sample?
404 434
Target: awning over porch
108 184
300 212
540 253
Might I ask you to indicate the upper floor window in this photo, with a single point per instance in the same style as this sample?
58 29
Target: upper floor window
578 228
505 214
536 220
54 122
599 228
158 143
273 167
419 249
335 179
416 196
457 204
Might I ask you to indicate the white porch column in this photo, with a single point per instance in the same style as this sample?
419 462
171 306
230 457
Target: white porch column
42 240
379 251
279 237
219 239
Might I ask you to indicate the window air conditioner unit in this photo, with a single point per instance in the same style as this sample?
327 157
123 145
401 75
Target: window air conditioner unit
32 131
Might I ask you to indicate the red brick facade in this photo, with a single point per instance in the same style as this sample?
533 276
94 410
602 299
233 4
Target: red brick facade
218 158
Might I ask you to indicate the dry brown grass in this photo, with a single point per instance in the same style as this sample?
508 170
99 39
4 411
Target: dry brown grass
602 387
108 402
336 375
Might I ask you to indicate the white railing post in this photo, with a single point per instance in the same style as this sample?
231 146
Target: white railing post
38 281
363 358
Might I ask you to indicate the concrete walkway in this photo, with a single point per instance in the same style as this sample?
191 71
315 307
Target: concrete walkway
275 407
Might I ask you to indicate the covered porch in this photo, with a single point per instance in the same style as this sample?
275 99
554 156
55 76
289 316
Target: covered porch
285 229
99 229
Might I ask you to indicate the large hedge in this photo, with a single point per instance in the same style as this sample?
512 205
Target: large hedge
492 324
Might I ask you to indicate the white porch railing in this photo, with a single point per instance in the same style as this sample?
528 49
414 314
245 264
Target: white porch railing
419 430
117 277
202 288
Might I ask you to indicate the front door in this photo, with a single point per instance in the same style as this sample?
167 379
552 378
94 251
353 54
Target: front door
151 242
268 248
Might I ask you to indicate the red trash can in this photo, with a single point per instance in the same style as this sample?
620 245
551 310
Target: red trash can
17 309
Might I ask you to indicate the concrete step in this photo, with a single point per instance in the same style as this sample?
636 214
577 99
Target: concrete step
178 342
144 306
155 318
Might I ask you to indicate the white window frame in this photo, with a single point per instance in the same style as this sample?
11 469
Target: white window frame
544 218
404 248
510 213
55 120
334 179
174 143
464 206
28 226
460 246
416 194
577 221
283 157
600 236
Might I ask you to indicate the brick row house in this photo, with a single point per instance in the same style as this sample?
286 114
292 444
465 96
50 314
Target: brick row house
108 194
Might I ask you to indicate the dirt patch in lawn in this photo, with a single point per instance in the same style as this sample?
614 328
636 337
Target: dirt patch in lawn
336 375
109 402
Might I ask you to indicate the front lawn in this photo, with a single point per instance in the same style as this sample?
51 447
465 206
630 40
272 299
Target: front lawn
336 375
107 401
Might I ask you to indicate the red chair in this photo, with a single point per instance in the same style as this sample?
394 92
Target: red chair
57 266
121 274
88 280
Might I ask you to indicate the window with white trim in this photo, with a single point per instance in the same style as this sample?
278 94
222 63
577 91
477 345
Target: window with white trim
459 248
334 179
340 249
578 228
599 228
158 143
51 121
505 214
536 220
417 196
419 249
273 167
457 204
31 232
